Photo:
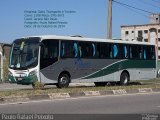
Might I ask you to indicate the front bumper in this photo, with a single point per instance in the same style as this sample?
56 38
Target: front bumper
23 80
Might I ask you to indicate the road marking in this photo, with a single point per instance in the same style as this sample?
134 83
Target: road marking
158 106
119 92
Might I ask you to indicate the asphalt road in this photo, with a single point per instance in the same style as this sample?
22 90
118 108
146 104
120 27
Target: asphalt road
122 104
125 106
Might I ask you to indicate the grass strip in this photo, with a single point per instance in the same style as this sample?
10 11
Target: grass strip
31 92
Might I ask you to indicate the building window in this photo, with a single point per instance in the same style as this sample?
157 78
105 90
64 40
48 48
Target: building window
159 39
139 39
146 31
158 30
158 48
132 31
145 40
140 35
126 32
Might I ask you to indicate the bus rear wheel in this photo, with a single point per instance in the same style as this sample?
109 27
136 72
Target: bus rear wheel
63 81
124 78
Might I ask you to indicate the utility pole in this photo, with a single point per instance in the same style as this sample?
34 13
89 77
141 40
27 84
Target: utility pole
109 30
1 66
159 18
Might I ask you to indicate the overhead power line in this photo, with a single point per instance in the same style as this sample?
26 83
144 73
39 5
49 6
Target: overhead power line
156 1
147 3
133 7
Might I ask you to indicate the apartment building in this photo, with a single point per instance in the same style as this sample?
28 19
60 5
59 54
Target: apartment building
143 33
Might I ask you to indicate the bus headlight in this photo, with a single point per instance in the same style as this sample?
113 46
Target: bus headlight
33 73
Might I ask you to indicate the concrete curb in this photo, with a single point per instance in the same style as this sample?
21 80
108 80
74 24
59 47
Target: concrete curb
53 96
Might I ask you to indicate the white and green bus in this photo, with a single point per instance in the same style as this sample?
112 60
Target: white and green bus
61 60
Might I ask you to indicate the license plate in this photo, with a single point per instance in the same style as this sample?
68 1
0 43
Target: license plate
20 78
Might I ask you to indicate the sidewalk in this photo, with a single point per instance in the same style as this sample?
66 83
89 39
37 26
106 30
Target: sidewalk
9 86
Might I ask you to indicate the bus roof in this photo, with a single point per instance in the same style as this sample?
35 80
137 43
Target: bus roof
78 38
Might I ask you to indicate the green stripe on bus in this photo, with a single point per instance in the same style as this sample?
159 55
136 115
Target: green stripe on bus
122 65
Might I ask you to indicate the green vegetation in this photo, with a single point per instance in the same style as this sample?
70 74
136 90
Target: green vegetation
38 85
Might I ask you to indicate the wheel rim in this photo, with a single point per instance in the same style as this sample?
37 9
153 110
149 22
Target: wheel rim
63 80
125 79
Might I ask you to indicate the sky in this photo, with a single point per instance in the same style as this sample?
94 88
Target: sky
88 20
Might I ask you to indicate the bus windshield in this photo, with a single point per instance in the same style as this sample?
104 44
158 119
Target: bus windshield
24 53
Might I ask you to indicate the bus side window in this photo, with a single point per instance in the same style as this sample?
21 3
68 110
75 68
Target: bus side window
105 51
130 50
62 50
125 52
97 51
110 51
55 52
140 51
144 54
115 51
94 49
134 52
80 51
76 49
153 53
102 51
67 49
86 50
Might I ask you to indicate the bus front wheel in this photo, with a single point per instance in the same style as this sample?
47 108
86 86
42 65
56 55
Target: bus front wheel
124 78
63 81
